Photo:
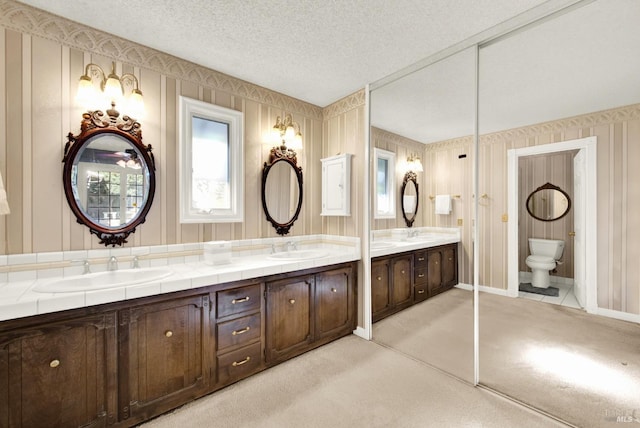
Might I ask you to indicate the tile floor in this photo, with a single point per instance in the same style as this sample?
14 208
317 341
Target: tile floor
565 296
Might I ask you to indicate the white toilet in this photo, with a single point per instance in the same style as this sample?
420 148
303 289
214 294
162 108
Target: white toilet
545 253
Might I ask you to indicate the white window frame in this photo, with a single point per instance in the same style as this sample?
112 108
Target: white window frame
190 108
390 157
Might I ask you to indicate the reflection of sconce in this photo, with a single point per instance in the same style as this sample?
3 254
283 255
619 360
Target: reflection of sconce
414 164
111 87
129 159
285 131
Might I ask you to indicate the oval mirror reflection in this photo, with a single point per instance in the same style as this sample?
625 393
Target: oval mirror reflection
409 195
110 180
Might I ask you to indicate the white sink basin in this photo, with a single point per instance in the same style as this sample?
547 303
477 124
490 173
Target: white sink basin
379 245
299 255
102 280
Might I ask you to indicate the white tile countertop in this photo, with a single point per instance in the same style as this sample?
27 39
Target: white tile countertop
394 241
23 274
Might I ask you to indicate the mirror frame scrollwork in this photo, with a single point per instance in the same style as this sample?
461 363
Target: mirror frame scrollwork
548 186
281 154
410 176
95 123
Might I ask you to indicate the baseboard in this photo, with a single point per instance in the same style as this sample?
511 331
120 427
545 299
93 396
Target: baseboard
483 288
619 315
361 332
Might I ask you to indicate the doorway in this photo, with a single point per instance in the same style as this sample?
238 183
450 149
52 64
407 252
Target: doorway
585 269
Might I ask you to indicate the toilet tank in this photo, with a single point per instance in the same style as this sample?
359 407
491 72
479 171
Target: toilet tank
546 247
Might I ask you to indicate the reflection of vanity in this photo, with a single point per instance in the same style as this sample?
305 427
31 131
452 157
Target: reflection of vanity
408 270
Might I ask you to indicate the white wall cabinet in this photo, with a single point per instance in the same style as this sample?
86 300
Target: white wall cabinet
336 185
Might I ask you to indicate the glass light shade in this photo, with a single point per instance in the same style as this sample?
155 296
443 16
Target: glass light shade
136 104
86 95
295 142
113 88
417 166
290 133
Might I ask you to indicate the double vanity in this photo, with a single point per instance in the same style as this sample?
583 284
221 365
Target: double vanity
166 333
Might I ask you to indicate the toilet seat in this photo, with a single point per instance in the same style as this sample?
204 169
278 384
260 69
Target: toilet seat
540 259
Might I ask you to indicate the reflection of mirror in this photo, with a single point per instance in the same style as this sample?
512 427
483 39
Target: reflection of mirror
567 358
429 112
109 177
409 197
384 173
282 189
548 203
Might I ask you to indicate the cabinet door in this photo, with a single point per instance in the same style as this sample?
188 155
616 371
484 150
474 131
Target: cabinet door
334 303
168 362
289 323
402 285
434 271
380 288
449 266
60 374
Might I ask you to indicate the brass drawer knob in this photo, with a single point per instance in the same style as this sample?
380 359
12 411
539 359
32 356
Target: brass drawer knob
436 262
239 363
244 299
420 275
379 278
292 301
333 290
237 332
402 271
450 259
420 259
420 291
168 333
54 363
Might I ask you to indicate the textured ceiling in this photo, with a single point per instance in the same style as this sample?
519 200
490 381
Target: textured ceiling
318 51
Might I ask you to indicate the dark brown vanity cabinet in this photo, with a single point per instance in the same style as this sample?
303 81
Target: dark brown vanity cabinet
164 355
306 311
392 287
400 280
119 364
60 373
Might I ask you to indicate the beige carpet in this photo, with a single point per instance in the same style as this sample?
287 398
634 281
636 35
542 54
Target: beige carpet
438 331
351 383
580 367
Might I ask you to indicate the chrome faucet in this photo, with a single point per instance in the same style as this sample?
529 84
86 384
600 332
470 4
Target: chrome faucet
112 264
135 263
412 233
290 245
85 265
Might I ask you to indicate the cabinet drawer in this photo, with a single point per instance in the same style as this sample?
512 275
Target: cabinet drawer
420 293
239 331
238 300
420 276
238 364
420 259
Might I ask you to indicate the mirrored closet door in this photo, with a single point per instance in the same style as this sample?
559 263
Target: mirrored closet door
559 147
421 136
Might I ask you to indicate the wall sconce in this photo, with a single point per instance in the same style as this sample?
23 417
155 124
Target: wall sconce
112 88
414 164
288 132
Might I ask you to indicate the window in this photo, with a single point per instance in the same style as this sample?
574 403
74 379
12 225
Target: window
211 163
384 173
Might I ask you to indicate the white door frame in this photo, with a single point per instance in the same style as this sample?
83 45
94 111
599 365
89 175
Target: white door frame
590 215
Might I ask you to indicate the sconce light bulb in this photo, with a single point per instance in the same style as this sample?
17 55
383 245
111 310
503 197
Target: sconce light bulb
113 88
290 133
136 104
86 92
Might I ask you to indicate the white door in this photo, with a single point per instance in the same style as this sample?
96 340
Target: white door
579 287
